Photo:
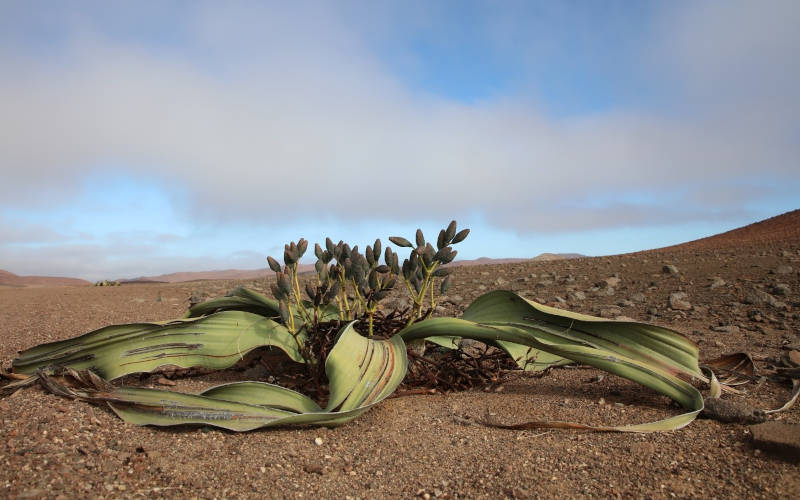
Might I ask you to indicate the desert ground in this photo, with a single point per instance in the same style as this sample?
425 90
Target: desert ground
742 293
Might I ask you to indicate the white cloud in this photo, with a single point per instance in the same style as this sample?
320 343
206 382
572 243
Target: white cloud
287 112
15 232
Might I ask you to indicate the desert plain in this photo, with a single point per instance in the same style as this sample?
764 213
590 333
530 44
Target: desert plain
734 292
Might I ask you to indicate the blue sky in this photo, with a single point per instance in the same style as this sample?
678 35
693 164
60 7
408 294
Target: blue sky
141 138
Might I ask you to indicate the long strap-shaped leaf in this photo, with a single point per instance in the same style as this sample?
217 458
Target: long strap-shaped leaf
216 342
643 353
362 372
240 299
244 299
648 343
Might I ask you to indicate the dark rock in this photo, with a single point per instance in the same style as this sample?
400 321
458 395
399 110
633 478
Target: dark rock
779 438
781 289
607 283
732 412
314 469
760 297
670 269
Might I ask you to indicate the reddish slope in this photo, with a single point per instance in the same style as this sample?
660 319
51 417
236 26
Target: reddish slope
11 279
784 228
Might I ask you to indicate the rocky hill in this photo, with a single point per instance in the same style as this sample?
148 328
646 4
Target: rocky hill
10 279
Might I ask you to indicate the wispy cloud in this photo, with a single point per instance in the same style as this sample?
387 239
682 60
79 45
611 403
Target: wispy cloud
288 112
16 232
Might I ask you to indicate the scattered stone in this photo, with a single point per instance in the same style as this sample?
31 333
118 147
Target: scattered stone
164 381
678 302
576 296
781 289
784 269
760 297
314 469
318 441
610 311
607 283
717 282
779 438
639 297
732 412
670 269
500 282
725 329
195 298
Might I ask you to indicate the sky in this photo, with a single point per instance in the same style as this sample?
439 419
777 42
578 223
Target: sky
148 137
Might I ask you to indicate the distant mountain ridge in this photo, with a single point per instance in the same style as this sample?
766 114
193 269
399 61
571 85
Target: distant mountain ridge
784 228
10 279
224 274
249 274
557 256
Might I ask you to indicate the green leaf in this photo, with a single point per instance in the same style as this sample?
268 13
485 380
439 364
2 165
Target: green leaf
362 372
240 299
530 359
217 341
652 356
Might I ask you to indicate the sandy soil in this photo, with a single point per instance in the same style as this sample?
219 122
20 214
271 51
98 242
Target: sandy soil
427 446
